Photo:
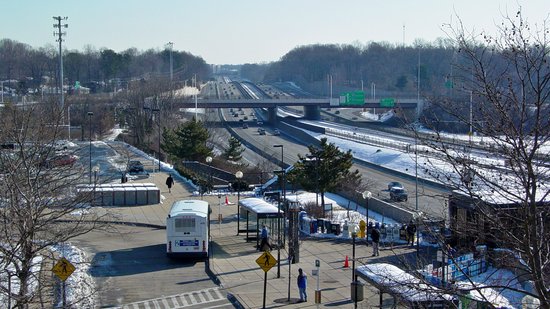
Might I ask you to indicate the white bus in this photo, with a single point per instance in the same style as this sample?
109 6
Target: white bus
188 229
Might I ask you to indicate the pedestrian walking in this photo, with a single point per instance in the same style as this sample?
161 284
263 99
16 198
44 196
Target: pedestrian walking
169 183
264 235
411 231
302 285
375 237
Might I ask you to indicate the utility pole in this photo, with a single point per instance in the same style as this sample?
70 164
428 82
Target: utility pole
171 46
59 34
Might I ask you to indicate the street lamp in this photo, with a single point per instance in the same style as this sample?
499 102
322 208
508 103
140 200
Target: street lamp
316 158
282 183
353 276
238 176
95 170
209 162
367 195
156 110
90 114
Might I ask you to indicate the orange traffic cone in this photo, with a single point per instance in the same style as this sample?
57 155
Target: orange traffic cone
346 262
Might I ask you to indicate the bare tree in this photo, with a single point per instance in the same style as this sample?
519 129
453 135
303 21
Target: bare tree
39 205
500 175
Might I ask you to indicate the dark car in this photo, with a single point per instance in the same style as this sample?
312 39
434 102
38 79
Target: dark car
398 194
276 132
395 184
135 167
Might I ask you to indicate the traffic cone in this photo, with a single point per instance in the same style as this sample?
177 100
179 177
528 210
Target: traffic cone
346 262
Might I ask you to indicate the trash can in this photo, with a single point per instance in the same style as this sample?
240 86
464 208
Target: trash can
321 224
317 296
328 226
357 291
336 228
314 227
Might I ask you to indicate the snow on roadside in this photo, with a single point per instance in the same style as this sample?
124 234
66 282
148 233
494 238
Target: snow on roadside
80 286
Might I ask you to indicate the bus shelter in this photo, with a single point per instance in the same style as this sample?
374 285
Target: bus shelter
405 288
258 212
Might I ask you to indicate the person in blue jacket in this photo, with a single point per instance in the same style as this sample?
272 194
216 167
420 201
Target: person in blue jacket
302 285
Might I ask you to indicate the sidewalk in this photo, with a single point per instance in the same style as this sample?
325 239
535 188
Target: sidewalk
233 260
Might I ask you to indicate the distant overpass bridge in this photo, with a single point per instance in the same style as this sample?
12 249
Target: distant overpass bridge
311 106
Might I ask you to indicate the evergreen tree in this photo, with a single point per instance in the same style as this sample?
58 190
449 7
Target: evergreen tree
324 169
234 150
187 141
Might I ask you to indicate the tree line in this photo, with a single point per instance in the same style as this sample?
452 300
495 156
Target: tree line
32 67
393 69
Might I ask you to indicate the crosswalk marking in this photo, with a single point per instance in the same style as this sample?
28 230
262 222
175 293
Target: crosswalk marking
178 301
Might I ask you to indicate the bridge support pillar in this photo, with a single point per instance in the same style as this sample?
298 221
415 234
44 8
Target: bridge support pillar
312 112
272 115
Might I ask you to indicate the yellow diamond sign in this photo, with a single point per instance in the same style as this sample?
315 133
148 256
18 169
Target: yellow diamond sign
266 261
63 269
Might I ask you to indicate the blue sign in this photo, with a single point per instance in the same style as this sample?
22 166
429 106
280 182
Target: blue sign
188 243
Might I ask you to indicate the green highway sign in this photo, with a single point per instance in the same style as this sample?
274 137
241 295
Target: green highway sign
387 102
352 98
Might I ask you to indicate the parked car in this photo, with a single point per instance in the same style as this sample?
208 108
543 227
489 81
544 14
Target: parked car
62 145
245 125
261 131
398 194
395 184
59 160
135 167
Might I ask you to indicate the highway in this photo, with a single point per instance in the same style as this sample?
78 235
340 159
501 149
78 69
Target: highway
431 199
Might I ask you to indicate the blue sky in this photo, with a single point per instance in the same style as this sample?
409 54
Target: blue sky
248 31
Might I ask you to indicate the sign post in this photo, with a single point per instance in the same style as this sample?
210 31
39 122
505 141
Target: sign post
317 291
266 261
289 275
63 269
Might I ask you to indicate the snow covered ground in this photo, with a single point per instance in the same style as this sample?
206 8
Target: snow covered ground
80 283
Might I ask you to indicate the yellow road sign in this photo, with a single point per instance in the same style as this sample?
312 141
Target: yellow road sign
63 269
266 261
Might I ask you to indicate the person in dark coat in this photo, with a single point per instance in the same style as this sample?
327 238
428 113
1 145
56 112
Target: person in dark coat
169 183
411 230
375 237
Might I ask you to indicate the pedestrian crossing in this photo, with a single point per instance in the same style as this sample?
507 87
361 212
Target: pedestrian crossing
184 300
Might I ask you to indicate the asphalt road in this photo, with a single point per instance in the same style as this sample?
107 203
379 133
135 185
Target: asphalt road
130 266
431 200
